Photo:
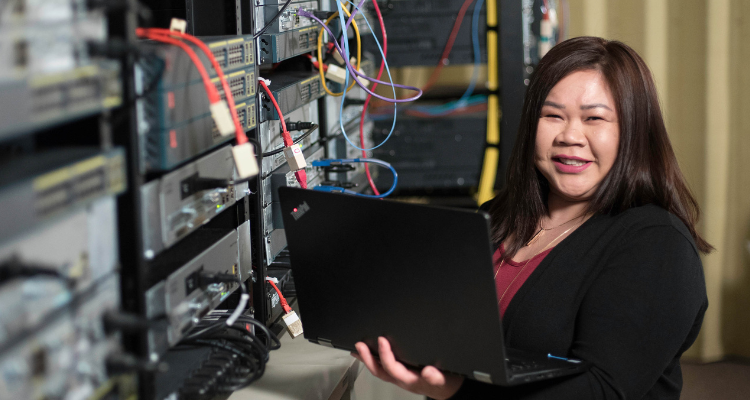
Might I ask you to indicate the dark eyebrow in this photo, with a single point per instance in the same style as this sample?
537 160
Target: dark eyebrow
592 106
553 104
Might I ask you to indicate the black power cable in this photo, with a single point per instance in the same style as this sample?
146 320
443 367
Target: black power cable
269 23
313 128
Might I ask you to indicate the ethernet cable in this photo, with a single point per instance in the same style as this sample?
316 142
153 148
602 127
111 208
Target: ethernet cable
338 189
367 99
224 115
290 318
466 99
292 151
320 54
354 73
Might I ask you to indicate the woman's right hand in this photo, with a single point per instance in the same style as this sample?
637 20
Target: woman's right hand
429 382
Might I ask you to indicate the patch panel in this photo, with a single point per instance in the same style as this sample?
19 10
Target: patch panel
181 298
180 202
67 359
270 135
292 90
81 247
265 10
277 47
55 182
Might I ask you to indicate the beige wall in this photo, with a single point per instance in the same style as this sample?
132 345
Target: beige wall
700 57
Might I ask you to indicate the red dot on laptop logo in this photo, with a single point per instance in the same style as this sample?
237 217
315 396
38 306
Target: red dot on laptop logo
300 210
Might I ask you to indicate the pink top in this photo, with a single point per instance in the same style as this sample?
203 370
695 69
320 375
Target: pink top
514 274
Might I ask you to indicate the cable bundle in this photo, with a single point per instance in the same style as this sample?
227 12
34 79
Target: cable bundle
238 359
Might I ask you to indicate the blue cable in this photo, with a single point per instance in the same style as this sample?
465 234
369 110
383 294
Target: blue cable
448 107
340 161
346 80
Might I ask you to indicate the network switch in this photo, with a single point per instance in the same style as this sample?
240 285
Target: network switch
418 31
180 202
266 10
44 100
39 188
174 118
292 90
166 147
231 52
68 358
182 299
277 47
81 248
433 153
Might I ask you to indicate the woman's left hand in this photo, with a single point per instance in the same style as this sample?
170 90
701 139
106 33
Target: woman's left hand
430 381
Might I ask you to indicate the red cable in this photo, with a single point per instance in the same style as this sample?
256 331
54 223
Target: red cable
284 133
369 96
213 94
240 132
448 46
282 300
300 174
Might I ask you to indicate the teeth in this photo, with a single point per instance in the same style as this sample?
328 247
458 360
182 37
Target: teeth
568 161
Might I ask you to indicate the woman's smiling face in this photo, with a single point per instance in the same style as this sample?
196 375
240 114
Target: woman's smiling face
578 135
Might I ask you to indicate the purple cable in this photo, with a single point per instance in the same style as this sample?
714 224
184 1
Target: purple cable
356 73
351 18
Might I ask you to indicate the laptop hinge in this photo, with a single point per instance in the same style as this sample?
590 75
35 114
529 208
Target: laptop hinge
325 342
483 377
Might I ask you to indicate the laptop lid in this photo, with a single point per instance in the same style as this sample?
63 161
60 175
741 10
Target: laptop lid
420 276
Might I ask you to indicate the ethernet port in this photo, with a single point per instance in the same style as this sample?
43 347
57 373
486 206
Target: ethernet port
38 363
21 53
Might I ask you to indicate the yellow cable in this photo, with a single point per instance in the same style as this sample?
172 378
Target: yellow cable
320 56
492 153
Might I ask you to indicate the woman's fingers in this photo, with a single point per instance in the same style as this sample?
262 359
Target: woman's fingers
371 363
433 376
398 371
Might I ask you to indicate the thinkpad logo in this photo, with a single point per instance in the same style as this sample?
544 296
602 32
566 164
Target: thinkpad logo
300 210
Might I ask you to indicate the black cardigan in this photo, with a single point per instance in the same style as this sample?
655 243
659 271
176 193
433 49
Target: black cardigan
625 293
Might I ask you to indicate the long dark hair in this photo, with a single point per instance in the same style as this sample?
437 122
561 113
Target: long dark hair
645 171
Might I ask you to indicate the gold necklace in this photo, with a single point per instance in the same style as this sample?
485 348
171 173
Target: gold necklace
542 229
524 265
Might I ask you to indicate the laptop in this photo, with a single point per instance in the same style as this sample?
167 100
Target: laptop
420 276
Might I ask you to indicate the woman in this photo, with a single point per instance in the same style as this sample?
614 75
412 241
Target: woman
598 253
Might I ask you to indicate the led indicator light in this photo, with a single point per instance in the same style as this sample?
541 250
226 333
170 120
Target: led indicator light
295 209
